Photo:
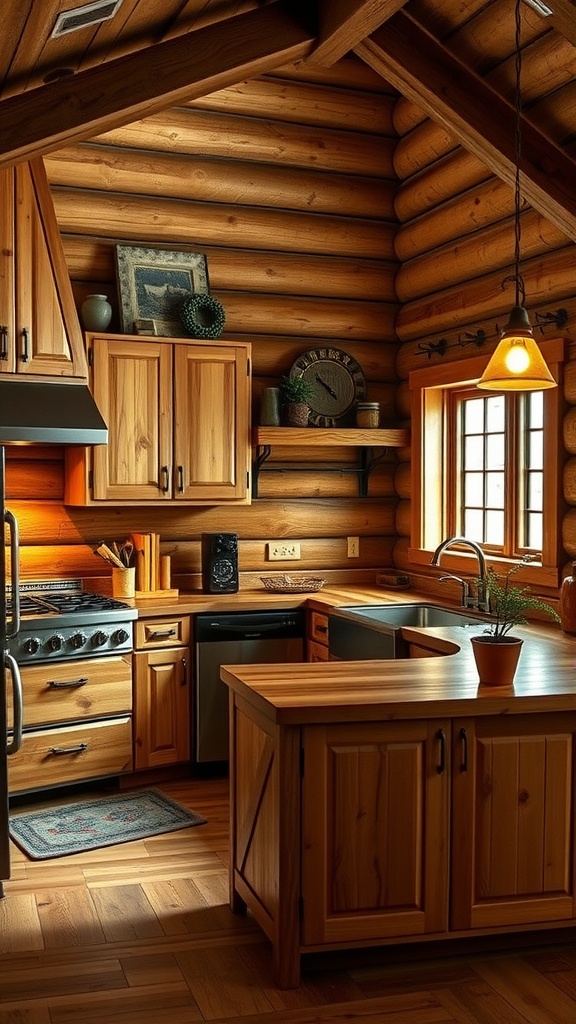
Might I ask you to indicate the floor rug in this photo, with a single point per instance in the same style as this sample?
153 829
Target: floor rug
90 824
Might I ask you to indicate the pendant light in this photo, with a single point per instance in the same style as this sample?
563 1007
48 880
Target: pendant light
517 363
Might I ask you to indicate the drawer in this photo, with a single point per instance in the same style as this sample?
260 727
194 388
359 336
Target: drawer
318 627
75 690
317 652
53 757
173 631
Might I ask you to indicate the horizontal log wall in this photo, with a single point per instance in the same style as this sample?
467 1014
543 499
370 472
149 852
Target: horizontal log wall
456 239
287 184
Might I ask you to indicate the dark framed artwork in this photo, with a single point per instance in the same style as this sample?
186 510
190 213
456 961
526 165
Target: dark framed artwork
153 285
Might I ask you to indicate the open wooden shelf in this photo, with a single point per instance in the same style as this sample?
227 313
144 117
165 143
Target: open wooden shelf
266 438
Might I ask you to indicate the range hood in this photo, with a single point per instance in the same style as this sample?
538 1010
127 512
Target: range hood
49 413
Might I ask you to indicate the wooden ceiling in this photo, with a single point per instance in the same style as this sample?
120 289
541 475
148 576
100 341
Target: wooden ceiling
453 58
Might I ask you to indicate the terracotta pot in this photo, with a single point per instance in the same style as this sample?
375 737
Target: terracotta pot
296 414
496 661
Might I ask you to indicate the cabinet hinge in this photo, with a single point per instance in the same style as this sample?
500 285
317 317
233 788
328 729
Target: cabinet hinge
301 762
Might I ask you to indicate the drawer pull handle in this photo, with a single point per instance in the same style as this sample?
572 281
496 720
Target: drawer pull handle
440 736
162 634
321 629
464 742
184 680
166 476
78 749
24 356
4 343
72 684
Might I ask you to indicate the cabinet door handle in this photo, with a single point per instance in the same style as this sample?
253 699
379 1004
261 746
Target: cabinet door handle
320 629
162 634
69 685
440 736
166 476
79 748
184 680
24 356
181 479
464 742
4 342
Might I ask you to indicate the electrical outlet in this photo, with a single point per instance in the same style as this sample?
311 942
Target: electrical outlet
283 551
353 547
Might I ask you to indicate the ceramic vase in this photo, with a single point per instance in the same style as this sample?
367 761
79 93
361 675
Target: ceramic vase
568 602
496 662
96 313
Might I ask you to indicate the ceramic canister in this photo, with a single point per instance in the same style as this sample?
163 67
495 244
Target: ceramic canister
96 313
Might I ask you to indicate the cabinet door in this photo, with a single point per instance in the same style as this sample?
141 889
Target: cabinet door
211 428
513 842
132 384
40 329
161 708
375 831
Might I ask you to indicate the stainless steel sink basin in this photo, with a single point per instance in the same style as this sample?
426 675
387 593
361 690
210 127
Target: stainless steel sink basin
423 615
361 632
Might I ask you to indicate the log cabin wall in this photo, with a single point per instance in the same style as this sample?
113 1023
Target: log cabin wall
455 242
287 184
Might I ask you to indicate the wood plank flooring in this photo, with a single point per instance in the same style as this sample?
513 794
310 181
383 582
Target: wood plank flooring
141 933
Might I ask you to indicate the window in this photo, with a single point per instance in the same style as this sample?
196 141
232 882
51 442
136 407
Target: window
496 451
487 466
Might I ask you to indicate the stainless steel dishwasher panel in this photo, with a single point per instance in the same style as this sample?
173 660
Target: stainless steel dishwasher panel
235 639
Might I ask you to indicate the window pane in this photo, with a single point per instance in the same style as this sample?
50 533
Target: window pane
535 450
495 413
534 527
474 452
495 451
474 416
535 410
495 490
535 483
474 525
474 489
494 528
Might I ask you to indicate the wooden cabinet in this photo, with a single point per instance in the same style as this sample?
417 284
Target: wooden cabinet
77 723
374 831
317 637
178 418
39 330
513 859
162 724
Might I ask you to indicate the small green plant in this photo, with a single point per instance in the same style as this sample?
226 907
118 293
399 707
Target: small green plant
296 389
509 604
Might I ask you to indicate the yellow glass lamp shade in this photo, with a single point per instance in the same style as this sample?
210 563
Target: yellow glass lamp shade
517 363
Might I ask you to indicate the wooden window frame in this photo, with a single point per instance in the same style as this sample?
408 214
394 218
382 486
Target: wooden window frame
429 484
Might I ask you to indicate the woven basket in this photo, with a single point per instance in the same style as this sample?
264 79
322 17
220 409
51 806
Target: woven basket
285 584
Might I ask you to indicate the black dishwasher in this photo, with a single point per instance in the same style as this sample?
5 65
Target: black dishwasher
238 638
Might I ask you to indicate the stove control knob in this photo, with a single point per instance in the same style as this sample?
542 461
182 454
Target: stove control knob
31 645
99 638
120 636
77 640
55 642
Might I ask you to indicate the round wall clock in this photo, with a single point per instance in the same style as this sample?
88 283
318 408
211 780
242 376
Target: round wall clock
339 384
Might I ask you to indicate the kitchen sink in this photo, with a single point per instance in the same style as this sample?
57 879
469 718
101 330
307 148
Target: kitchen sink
423 615
363 632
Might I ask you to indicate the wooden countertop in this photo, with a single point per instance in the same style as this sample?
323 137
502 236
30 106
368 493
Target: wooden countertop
256 599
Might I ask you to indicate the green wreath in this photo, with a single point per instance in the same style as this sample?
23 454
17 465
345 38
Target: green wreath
203 316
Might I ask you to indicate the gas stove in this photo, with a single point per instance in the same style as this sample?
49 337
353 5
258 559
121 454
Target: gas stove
60 621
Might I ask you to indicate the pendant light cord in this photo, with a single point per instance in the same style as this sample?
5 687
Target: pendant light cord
520 291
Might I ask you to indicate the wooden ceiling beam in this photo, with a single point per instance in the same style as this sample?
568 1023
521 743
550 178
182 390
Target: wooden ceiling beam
146 81
563 18
424 71
344 23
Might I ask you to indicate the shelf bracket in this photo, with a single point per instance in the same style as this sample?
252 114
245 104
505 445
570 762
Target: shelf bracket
262 453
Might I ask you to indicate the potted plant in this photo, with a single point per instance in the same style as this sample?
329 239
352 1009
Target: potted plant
496 651
295 393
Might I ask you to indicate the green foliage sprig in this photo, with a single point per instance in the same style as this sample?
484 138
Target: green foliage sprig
296 389
509 604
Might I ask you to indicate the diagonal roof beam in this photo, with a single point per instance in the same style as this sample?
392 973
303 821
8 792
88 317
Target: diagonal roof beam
149 80
424 71
344 23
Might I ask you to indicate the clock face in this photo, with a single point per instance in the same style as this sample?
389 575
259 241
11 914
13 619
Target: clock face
339 384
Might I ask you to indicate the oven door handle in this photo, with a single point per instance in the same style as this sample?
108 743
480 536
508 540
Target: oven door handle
14 574
12 666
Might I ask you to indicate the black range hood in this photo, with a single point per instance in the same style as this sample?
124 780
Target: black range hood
49 413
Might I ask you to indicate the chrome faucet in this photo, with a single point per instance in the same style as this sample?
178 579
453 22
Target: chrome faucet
481 599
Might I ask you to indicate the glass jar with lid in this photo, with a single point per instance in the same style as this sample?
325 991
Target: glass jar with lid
368 414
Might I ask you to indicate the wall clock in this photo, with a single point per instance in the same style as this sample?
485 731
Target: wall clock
339 384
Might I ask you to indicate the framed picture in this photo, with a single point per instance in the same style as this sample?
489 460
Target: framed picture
153 284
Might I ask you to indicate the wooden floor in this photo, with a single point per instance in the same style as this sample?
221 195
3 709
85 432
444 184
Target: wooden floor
141 933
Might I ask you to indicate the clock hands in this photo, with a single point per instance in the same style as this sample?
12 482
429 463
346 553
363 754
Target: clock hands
330 390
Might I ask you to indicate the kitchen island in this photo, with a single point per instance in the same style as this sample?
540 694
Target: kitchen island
384 802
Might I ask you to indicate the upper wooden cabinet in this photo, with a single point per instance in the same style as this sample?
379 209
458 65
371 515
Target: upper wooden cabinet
39 330
178 419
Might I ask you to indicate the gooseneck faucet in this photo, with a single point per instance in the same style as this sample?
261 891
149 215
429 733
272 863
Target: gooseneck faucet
481 599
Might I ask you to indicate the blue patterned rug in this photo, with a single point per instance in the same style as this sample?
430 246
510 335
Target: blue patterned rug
89 824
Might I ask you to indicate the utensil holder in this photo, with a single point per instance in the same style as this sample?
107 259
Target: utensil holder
124 582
